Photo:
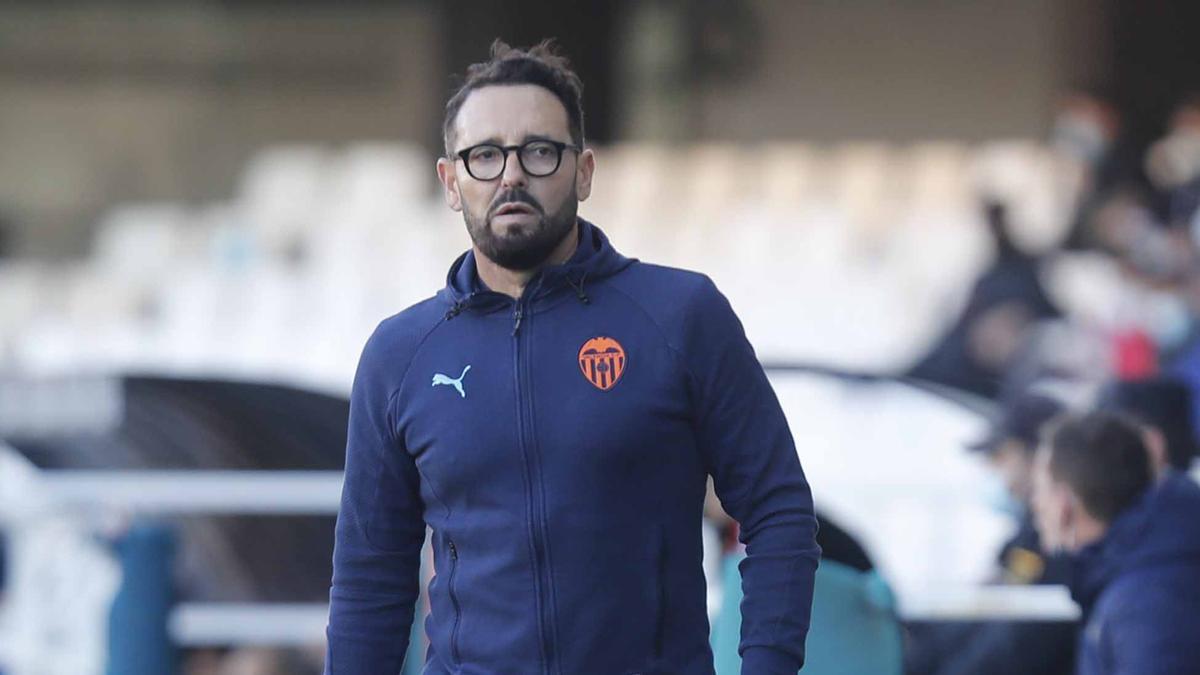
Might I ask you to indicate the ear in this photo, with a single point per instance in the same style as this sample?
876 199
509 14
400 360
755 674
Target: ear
448 176
1156 445
1073 510
583 173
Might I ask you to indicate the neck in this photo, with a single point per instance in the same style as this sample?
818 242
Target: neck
512 282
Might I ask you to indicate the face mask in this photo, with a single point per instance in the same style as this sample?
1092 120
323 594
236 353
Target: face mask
1170 320
1079 137
1000 500
1175 160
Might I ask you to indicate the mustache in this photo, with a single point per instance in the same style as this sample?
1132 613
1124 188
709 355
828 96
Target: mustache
513 196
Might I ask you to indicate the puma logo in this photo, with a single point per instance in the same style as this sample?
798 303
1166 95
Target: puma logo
439 378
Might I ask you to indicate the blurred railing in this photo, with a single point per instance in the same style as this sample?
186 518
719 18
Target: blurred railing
198 492
318 492
869 445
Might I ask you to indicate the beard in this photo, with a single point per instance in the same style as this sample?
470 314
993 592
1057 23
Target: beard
523 247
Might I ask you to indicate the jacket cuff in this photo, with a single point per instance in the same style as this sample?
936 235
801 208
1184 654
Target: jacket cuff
768 661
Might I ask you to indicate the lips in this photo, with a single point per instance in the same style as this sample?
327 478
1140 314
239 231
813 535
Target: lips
510 208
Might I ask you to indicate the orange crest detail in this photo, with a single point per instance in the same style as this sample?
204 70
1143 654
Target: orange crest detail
602 360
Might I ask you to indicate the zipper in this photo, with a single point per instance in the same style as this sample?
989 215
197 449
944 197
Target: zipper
535 524
517 314
454 601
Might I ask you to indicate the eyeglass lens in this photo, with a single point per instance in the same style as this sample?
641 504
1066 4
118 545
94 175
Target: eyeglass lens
538 158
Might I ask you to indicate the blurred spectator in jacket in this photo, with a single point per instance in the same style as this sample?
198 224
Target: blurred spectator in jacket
1004 304
1136 571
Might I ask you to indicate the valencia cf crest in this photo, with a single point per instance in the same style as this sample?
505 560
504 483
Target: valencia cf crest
602 360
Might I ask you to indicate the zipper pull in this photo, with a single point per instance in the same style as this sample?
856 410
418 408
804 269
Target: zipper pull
517 316
453 551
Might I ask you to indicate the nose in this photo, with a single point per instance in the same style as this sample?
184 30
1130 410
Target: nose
514 175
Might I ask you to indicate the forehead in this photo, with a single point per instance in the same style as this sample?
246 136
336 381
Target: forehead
509 114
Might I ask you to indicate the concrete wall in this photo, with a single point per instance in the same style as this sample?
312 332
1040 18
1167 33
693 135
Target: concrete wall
166 101
101 104
892 70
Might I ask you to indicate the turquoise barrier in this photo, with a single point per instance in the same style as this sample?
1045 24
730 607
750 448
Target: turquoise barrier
854 631
138 641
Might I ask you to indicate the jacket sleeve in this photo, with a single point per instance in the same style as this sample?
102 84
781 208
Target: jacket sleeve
751 456
379 534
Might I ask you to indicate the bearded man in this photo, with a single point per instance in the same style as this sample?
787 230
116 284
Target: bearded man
553 415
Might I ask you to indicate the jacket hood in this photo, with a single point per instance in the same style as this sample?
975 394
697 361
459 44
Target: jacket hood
1161 528
594 259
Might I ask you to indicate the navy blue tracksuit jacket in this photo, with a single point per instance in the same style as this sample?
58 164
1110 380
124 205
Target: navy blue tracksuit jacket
558 446
1139 587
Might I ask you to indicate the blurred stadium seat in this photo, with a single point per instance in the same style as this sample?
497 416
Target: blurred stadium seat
319 243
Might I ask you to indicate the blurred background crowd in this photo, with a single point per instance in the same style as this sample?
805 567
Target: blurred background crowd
941 223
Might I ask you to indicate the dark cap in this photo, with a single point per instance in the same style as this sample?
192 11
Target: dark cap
1162 403
1020 419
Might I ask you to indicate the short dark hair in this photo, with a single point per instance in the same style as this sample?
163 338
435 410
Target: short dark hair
1162 403
540 65
1104 460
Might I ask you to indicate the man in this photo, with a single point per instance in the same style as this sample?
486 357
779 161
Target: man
552 415
1137 546
987 349
1008 449
1003 647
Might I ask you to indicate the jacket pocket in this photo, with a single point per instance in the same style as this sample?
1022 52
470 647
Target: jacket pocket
660 592
457 618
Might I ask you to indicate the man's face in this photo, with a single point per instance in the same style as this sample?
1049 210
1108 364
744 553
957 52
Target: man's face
516 220
1053 507
1014 462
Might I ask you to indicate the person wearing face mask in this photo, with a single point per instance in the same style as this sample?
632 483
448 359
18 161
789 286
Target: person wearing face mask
1008 449
1004 647
1088 134
1135 544
1173 164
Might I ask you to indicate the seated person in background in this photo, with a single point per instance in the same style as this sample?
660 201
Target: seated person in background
1006 647
1009 448
1136 545
988 342
1164 408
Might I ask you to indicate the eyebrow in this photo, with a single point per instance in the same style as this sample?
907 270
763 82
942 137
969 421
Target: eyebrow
493 140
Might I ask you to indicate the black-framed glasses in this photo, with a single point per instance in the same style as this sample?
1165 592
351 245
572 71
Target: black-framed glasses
540 158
